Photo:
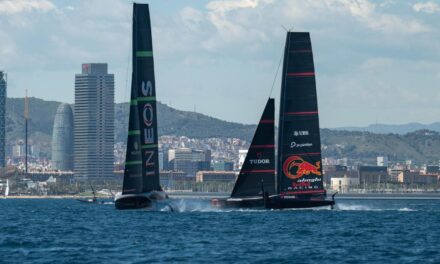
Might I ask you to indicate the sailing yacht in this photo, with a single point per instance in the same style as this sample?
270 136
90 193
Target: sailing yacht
141 187
257 175
7 188
299 176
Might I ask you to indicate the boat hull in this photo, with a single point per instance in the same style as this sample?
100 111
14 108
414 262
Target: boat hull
238 203
91 201
283 203
150 200
274 202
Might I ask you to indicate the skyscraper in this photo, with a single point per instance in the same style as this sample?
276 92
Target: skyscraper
62 139
3 84
94 122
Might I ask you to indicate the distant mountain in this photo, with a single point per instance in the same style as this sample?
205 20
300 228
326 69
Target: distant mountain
393 141
395 129
40 125
171 122
422 146
184 123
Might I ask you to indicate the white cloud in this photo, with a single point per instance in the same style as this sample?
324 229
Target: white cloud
225 6
18 6
428 7
363 11
192 18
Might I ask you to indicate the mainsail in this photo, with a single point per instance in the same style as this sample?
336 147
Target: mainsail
299 168
142 163
258 170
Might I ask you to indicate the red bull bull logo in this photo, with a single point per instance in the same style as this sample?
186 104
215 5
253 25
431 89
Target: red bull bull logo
295 167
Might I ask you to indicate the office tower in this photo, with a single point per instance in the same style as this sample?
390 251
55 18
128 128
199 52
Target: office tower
189 160
62 139
94 122
3 85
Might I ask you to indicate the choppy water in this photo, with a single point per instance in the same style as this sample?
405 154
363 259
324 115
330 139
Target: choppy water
357 231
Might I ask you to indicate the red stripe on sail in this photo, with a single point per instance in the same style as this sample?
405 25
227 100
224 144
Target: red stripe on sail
262 146
258 171
301 74
302 113
266 121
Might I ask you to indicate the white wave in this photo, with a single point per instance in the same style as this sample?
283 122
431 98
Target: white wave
355 207
358 207
190 205
406 209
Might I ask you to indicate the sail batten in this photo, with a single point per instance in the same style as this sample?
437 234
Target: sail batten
258 170
299 169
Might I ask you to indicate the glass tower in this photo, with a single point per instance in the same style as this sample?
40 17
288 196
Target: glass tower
62 139
94 122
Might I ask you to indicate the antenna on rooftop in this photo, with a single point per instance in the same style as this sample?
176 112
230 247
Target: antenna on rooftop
287 30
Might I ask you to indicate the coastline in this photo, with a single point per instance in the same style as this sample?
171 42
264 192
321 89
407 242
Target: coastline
202 195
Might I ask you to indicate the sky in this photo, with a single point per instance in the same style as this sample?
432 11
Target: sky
375 61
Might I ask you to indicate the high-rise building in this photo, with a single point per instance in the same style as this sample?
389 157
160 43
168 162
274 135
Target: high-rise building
94 122
62 139
3 86
382 161
189 160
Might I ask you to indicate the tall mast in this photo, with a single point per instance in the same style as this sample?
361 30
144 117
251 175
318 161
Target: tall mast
26 117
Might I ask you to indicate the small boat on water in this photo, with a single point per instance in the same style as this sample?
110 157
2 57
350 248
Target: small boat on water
6 192
93 200
141 187
299 177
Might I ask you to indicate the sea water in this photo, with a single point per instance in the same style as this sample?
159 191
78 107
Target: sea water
356 231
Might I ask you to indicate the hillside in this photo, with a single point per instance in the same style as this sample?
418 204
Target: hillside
171 122
420 146
396 129
184 123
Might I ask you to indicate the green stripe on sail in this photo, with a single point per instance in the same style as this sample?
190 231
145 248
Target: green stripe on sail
149 146
134 132
133 102
134 162
146 99
144 53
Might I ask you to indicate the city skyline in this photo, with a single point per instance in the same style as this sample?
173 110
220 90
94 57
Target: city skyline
376 62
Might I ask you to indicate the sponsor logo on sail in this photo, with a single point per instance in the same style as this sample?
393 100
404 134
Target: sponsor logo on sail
293 144
295 167
148 114
259 161
147 88
300 133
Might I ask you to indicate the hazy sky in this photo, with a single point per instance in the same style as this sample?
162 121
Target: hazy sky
376 61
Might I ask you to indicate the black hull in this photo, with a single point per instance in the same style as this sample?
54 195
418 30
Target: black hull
278 203
275 202
233 203
141 201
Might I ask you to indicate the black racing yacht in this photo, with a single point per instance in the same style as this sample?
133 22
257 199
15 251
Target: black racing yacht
256 179
141 187
299 179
